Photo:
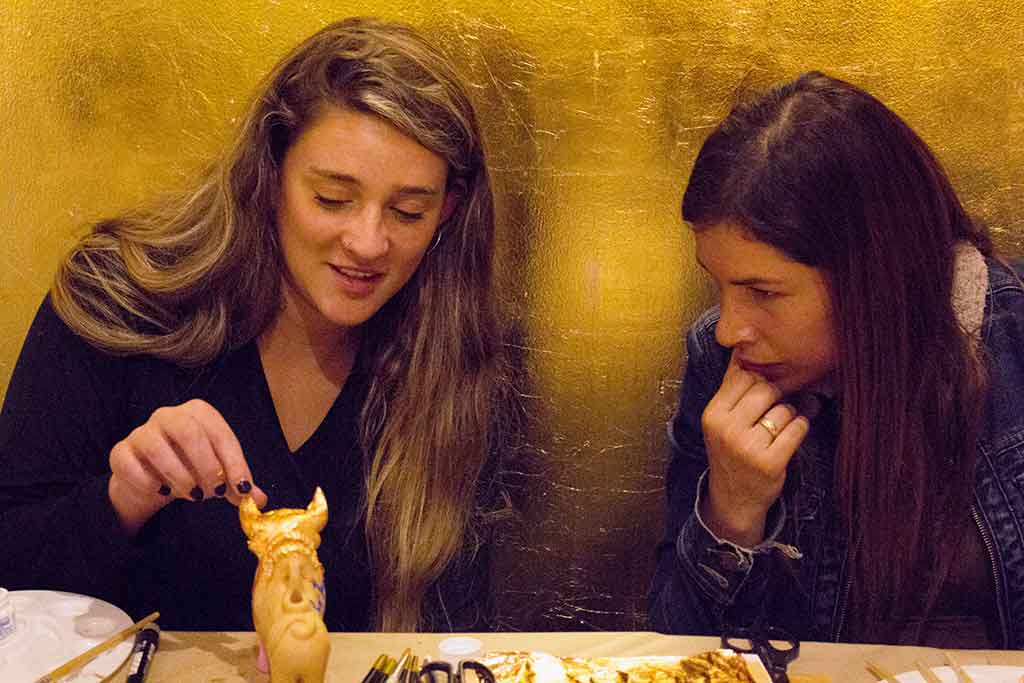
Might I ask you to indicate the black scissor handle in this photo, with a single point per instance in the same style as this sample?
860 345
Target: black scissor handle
762 638
484 674
426 673
790 649
761 642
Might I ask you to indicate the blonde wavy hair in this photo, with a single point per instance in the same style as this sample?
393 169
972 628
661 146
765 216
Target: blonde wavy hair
200 273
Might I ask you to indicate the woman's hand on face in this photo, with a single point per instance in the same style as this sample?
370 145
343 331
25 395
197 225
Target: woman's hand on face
186 451
746 461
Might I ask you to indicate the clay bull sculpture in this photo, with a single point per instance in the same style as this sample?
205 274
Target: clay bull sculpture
288 591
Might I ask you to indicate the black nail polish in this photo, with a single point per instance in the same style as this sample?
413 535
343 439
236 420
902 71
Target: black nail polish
243 486
164 490
197 494
221 489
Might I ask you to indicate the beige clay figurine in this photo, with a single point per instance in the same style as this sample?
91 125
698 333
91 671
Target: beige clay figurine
288 592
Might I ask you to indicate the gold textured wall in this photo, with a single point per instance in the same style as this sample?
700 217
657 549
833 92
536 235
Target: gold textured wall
594 112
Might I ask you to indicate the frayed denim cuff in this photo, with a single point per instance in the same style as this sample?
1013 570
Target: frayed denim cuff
720 567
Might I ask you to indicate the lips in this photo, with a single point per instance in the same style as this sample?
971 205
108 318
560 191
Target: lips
767 370
356 281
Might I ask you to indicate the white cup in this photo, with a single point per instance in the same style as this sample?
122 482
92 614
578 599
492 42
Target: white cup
458 648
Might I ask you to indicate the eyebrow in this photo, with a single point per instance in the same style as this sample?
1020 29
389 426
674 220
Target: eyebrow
746 281
417 190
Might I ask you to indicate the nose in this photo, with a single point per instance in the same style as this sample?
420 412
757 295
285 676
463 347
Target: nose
365 236
733 327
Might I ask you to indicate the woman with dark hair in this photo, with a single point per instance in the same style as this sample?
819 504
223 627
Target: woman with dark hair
316 310
849 443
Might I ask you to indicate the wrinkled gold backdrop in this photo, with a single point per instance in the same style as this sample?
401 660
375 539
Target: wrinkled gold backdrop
594 112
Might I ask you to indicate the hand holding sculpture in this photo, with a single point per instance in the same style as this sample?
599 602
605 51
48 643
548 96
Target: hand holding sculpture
288 592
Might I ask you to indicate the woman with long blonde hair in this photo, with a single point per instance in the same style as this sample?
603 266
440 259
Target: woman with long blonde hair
316 311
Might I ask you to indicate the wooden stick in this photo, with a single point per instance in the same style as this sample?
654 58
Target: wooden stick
926 673
93 652
880 673
961 675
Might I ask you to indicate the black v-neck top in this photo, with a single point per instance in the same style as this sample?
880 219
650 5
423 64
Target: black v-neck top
68 404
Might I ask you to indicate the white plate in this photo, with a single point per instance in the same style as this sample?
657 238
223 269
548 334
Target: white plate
53 627
981 673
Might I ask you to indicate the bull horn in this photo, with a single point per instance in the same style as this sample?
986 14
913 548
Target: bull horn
318 509
248 513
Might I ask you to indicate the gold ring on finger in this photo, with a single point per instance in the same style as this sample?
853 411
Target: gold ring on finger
770 426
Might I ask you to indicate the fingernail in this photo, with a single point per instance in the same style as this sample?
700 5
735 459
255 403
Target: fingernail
221 489
164 490
244 486
197 494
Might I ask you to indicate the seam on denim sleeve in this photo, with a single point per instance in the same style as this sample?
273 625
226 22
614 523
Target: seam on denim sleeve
764 546
710 565
709 581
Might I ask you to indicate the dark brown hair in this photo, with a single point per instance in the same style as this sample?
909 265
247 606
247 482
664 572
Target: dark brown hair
827 174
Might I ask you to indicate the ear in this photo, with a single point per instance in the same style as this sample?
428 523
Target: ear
451 202
453 196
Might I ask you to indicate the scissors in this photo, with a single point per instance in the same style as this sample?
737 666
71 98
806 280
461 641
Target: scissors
774 646
456 674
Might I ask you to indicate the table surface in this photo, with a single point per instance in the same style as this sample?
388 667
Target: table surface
229 657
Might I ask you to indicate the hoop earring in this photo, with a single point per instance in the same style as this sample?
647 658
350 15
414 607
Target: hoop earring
437 240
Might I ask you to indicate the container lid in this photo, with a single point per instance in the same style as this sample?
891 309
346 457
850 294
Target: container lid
458 648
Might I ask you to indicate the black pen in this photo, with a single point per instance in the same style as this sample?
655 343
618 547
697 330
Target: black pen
389 668
378 666
146 642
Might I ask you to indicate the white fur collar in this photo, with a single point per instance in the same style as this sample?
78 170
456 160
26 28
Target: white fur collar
970 283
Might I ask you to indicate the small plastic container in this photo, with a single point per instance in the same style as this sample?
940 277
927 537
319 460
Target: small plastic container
459 648
8 619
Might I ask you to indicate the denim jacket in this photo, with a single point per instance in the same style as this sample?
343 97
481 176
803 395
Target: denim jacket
796 578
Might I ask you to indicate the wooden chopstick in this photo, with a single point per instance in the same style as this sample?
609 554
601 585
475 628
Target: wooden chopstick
82 659
961 675
880 673
926 673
